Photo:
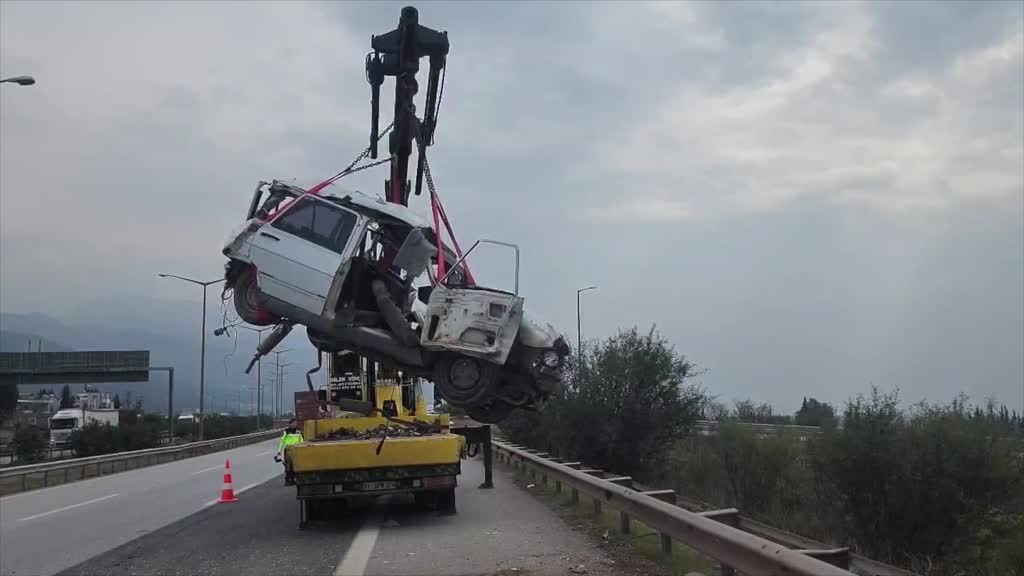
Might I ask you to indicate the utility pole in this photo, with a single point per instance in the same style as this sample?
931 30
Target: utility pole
202 345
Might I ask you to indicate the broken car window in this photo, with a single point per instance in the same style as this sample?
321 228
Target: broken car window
318 222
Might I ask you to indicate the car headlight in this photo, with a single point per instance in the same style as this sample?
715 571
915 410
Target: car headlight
551 359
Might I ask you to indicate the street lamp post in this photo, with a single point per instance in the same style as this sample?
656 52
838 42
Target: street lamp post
259 376
579 324
280 387
277 375
19 80
202 345
579 328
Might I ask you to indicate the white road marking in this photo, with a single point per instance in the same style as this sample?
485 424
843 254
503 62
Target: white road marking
267 452
353 563
93 501
207 469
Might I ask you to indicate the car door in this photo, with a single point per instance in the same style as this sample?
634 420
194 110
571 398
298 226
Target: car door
297 254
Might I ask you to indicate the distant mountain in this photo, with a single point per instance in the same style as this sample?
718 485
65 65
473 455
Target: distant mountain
170 330
23 342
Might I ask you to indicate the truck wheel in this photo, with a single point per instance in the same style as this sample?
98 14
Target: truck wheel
247 299
446 501
464 381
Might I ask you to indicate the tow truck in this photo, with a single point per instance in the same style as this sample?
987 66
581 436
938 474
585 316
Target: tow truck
368 433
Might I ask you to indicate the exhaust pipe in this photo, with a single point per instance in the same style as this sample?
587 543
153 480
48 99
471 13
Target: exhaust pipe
269 343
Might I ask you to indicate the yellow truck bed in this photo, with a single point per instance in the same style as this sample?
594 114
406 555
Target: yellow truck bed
340 467
353 454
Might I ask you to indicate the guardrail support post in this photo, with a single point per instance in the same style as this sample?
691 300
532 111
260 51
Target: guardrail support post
597 506
544 478
575 496
558 486
623 523
666 544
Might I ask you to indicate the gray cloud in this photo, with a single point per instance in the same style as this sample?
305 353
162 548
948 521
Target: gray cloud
805 197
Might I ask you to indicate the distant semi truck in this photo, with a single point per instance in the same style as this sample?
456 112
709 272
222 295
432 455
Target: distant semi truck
66 421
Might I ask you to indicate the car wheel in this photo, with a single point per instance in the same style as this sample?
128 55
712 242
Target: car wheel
464 381
247 299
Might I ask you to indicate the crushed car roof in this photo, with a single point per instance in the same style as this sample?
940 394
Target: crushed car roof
379 206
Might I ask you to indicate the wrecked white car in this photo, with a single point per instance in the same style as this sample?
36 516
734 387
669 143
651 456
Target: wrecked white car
344 267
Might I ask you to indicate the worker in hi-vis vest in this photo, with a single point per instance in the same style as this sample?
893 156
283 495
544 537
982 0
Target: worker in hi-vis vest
290 437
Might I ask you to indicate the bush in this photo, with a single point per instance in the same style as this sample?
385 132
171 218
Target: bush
217 426
925 488
94 439
133 433
625 405
30 444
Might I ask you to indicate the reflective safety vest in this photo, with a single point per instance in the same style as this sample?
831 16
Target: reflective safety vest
288 440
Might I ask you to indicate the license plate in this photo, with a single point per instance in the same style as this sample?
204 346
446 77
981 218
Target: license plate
381 485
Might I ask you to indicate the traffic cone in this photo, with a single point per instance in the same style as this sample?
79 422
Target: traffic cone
227 492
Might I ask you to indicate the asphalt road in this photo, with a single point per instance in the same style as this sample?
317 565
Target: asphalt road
504 531
45 531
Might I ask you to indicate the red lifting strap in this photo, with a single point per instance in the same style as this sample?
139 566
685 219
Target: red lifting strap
438 210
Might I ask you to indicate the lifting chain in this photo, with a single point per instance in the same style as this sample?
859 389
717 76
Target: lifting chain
351 169
365 153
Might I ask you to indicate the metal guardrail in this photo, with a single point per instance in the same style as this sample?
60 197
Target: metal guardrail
713 426
32 476
738 543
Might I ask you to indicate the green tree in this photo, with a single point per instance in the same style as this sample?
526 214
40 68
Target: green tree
624 411
29 444
815 413
66 400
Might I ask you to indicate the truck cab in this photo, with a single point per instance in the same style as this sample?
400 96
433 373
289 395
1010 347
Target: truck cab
62 424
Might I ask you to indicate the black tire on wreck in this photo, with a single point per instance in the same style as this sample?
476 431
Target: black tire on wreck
247 299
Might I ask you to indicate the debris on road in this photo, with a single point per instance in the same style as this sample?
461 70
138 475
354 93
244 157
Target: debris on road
391 524
578 569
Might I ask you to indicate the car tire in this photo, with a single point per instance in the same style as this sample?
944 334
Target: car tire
464 381
247 299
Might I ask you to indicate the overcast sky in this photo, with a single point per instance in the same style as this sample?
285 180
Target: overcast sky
806 198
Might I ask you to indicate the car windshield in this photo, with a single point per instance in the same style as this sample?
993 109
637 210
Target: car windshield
62 423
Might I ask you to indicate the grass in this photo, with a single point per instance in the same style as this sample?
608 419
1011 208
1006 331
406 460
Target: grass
642 545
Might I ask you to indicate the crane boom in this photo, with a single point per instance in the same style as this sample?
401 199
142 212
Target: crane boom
397 53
